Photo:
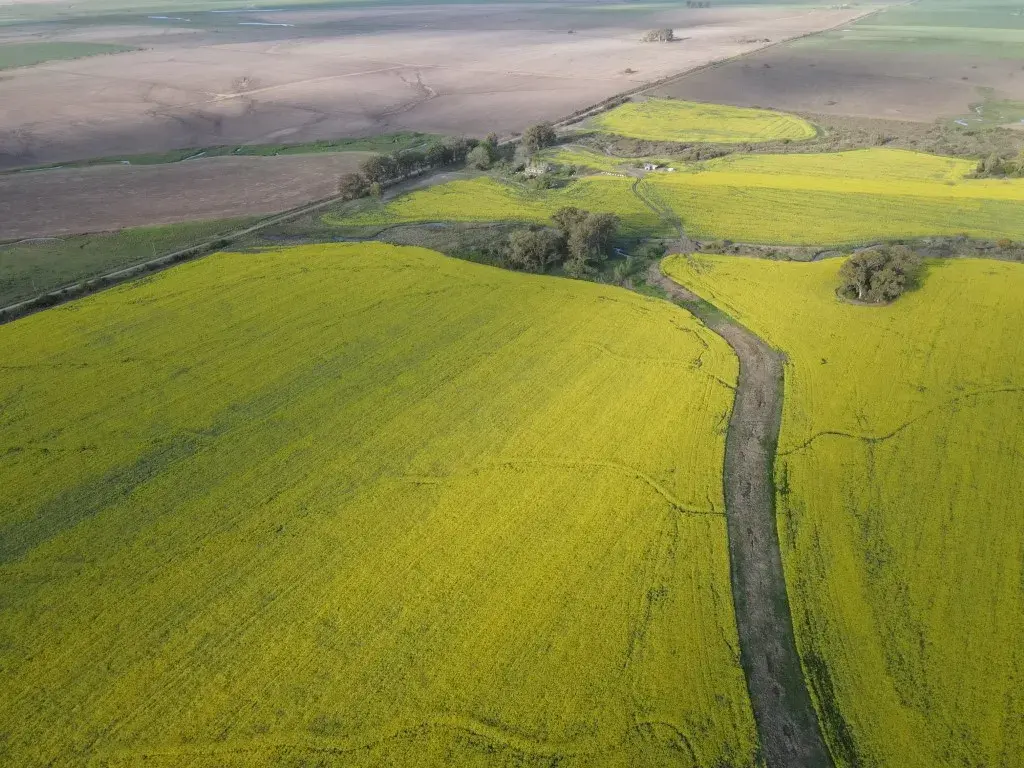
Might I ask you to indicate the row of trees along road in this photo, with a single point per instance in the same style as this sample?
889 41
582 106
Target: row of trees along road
380 170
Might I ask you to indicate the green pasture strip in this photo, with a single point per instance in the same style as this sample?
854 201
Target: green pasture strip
14 55
32 267
392 142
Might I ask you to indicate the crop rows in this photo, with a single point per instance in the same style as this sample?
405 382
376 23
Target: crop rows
899 500
373 506
687 121
879 164
812 217
484 199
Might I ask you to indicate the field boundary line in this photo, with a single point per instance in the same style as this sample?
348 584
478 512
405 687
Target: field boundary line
83 287
787 723
613 101
722 62
97 283
71 291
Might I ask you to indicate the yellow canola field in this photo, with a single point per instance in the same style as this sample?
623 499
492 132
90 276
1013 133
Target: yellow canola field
364 505
584 158
813 199
899 501
784 181
841 197
688 121
484 199
813 217
877 164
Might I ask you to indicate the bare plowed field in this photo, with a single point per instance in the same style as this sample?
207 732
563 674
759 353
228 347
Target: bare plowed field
108 197
911 61
321 73
890 84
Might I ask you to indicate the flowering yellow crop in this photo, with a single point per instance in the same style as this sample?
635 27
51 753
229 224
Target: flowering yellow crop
584 158
813 199
900 488
363 505
841 197
877 164
484 199
688 121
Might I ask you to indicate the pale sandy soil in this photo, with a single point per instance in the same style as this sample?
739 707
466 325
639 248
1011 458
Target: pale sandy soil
454 69
108 197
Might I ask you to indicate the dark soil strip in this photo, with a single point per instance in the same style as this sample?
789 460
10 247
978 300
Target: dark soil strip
786 721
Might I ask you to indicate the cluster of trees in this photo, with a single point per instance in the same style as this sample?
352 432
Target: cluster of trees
539 136
579 242
994 165
485 154
376 172
698 3
659 36
879 275
380 170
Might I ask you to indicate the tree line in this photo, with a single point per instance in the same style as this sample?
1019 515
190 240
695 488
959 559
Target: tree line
378 171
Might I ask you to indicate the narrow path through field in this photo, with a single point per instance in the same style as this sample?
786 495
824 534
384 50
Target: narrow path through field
786 722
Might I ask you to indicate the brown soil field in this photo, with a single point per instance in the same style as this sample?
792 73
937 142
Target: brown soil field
907 85
109 197
472 68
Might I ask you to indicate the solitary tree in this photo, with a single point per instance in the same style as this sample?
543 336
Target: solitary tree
659 36
879 275
538 137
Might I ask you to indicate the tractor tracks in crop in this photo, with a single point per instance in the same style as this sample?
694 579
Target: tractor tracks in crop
787 725
647 194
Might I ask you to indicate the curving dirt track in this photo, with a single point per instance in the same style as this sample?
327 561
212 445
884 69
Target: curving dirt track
786 722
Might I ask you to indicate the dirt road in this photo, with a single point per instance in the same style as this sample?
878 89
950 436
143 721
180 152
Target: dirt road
786 721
